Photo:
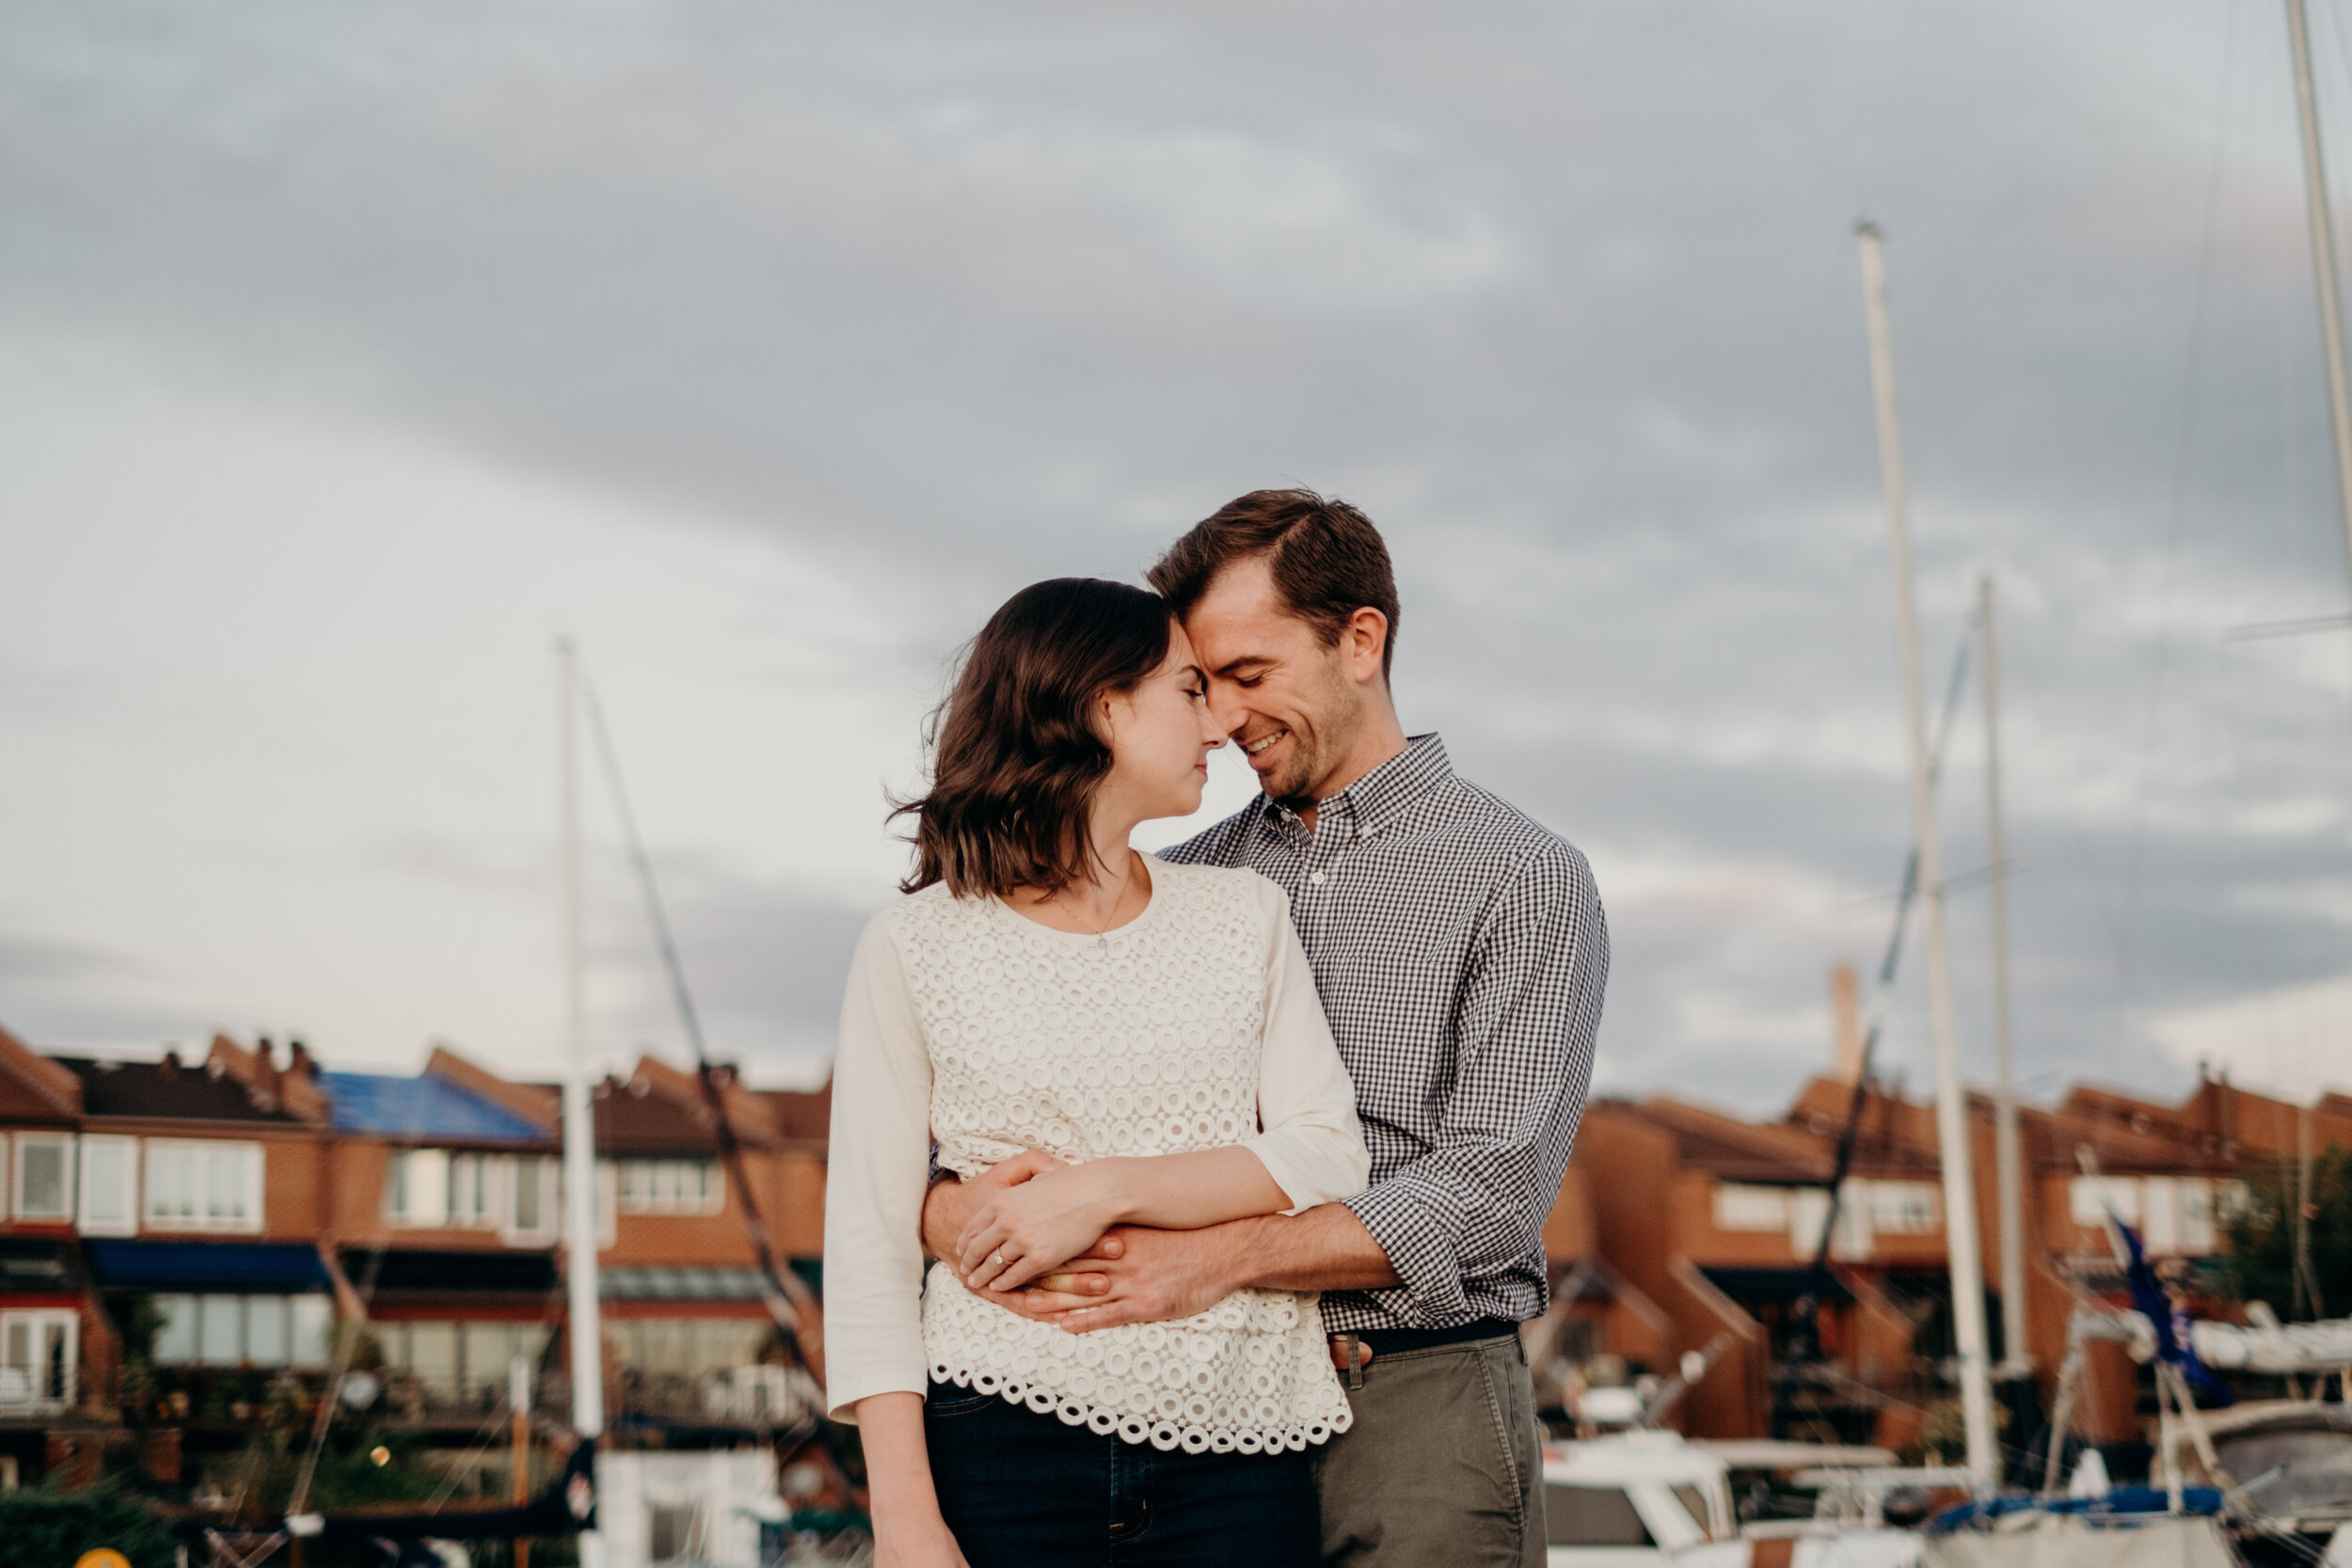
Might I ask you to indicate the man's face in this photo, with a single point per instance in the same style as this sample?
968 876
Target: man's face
1284 697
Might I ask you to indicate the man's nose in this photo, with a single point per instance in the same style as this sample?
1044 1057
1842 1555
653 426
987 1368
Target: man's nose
1227 709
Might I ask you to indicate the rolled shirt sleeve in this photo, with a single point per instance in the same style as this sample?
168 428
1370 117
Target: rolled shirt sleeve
1312 1143
1474 1204
878 1170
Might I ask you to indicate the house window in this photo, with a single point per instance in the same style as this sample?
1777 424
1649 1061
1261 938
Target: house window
1744 1206
687 1347
109 1185
242 1331
534 1208
203 1185
471 1361
470 1204
1903 1208
39 1351
416 1187
44 1176
2089 1198
669 1187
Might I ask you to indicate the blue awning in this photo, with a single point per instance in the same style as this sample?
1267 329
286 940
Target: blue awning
206 1265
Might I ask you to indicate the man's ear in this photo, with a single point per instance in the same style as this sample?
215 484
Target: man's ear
1367 640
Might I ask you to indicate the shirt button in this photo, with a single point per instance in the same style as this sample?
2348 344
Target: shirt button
1315 877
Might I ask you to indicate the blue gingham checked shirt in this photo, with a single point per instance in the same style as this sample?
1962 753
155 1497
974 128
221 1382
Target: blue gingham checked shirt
1461 952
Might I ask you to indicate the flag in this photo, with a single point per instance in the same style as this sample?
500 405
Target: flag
2174 1344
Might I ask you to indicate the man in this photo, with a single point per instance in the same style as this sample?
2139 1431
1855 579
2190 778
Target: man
1460 951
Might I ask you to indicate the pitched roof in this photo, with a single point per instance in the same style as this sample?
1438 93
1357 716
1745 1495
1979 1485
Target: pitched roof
1741 1151
426 1107
32 1085
536 1103
165 1089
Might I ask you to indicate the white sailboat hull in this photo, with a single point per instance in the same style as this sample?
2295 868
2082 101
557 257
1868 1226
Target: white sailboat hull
2067 1541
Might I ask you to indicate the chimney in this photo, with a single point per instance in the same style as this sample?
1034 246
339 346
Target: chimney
298 1089
1845 1004
171 1065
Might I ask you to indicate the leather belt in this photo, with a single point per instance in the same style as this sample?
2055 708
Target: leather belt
1352 1350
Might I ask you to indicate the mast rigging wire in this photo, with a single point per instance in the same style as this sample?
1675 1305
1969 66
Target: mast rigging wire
785 1295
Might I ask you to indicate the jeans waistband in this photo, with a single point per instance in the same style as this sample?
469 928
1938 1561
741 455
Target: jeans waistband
1389 1342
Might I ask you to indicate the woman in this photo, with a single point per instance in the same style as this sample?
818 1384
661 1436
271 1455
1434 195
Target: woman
1155 1030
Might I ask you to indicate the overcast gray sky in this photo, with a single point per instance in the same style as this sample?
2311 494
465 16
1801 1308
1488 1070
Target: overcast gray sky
348 354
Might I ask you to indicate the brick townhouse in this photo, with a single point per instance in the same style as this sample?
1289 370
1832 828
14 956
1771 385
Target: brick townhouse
1712 1221
218 1217
226 1212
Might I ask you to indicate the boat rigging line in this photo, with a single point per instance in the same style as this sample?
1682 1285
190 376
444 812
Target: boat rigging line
785 1295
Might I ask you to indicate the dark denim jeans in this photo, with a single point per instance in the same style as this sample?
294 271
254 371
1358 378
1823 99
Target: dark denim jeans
1019 1488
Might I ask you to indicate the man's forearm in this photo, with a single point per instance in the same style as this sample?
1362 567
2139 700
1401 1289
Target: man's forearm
1327 1248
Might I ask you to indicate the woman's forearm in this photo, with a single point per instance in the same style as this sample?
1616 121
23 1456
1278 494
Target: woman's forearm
1187 1192
1037 1225
908 1527
898 1463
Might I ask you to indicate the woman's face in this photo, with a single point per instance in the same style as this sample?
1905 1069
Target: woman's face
1160 735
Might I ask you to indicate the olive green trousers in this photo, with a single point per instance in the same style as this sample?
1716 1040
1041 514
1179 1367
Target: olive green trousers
1443 1464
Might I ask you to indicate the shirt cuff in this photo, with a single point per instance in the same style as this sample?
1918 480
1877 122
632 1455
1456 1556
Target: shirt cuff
1419 1249
846 1383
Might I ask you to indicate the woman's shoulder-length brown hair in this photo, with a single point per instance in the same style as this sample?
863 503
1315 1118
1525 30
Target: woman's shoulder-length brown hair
1016 758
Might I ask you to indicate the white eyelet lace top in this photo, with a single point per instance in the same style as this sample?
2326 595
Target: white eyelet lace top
1194 1026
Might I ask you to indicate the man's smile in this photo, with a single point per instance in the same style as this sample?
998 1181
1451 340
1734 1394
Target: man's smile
1254 747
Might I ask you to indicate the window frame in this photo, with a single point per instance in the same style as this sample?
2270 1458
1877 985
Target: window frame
22 1144
252 1156
469 1173
548 1171
34 1319
1740 1209
306 1318
659 1185
95 1145
422 1210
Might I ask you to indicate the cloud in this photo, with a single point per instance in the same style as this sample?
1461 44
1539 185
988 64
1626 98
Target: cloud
773 346
2290 1037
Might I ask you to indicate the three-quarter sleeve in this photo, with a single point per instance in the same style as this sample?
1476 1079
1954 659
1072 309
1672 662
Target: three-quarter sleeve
877 1171
1312 1143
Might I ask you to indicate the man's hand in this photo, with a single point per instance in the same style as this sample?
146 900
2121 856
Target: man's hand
1157 1274
1152 1275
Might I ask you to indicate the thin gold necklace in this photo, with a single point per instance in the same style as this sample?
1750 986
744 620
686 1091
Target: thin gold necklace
1101 937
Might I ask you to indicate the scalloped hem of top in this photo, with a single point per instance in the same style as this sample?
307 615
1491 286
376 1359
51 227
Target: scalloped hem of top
1162 1435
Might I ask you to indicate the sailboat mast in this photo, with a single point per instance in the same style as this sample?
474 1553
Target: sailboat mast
2007 1161
1951 1106
2323 262
580 1137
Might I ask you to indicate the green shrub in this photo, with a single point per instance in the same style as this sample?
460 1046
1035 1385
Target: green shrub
45 1527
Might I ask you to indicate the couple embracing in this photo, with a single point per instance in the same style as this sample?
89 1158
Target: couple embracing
1234 1159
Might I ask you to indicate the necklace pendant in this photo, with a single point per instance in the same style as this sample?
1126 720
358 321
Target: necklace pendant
1102 945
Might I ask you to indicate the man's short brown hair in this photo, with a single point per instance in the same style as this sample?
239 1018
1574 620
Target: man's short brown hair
1326 560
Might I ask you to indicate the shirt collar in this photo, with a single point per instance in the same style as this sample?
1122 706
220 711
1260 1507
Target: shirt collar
1385 794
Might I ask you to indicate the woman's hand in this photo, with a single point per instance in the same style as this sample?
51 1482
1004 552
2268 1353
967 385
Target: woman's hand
912 1544
1037 1224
